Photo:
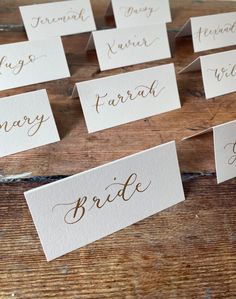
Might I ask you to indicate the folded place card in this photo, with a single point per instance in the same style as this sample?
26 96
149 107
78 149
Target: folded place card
86 207
32 62
26 122
120 99
218 72
211 32
54 19
127 46
224 149
131 13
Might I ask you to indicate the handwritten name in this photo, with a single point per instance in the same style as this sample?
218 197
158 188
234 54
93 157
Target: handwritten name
224 72
232 147
114 47
69 16
130 11
125 191
33 124
204 33
140 91
17 66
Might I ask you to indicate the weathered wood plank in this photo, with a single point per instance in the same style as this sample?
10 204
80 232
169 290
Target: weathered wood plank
187 251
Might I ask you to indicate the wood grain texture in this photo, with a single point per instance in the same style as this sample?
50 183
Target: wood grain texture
188 251
78 150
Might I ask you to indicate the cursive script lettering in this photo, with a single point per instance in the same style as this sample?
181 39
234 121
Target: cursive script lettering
140 91
34 124
117 190
114 47
214 32
224 72
232 146
17 66
69 16
130 11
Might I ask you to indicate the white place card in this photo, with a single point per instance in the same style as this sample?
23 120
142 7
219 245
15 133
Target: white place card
55 19
128 46
225 151
26 122
32 62
120 99
132 13
218 72
86 207
211 32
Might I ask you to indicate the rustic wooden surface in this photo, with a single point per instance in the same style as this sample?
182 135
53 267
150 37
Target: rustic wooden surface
188 251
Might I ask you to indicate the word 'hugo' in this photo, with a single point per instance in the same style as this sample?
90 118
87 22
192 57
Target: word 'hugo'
116 190
17 66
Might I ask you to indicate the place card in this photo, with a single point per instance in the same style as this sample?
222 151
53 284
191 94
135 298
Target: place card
132 13
211 32
128 46
86 207
26 122
224 149
55 19
32 62
218 72
115 100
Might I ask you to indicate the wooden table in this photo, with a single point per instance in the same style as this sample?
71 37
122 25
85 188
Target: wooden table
188 251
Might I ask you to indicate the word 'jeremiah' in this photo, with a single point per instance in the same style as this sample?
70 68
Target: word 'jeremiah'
213 33
114 47
131 11
69 16
140 91
17 66
224 72
125 191
33 124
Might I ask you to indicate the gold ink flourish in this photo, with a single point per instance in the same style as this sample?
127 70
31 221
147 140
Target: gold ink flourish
232 159
213 33
224 72
141 91
125 191
17 67
114 47
71 15
130 11
35 124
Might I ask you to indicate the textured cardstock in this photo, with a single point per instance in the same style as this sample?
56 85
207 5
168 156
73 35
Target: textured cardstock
55 19
132 13
128 46
225 151
86 207
211 32
218 73
26 122
32 62
120 99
